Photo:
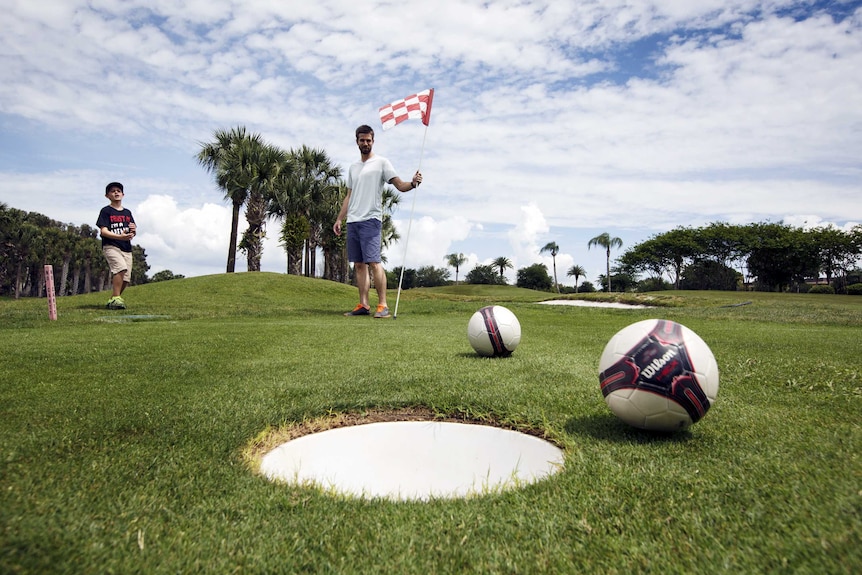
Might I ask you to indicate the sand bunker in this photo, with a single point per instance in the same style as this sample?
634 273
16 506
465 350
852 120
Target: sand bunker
585 303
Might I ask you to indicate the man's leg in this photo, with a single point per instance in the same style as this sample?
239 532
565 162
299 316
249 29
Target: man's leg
379 282
363 282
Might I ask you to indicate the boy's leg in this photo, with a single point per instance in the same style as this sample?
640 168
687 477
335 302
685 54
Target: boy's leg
118 284
123 277
119 268
127 274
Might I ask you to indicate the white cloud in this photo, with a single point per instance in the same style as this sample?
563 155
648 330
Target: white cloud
526 237
177 238
428 242
597 116
812 221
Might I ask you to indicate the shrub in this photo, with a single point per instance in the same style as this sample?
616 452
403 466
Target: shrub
482 274
166 275
429 276
822 289
854 289
535 277
709 275
653 284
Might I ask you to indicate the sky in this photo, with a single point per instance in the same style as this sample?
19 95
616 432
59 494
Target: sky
552 121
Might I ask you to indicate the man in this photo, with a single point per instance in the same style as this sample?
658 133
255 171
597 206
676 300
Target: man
117 228
363 208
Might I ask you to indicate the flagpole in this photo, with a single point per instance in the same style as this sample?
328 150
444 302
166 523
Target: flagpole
409 225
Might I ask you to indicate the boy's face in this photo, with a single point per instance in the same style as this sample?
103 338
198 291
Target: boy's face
114 193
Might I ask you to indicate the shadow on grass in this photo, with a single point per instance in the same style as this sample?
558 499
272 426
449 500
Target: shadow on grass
608 427
474 355
128 318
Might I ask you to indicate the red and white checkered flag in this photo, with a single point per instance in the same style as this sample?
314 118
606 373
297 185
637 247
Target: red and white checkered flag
417 106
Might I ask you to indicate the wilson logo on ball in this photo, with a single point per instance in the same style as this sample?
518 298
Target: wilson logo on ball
658 374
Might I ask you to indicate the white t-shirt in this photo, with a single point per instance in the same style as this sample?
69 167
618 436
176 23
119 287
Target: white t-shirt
365 180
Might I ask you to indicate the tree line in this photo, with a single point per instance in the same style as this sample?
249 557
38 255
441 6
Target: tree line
720 256
762 256
29 241
536 276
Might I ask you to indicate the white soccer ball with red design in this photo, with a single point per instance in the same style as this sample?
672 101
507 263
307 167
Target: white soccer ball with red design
494 331
657 374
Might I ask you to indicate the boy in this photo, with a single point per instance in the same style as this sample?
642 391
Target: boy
117 228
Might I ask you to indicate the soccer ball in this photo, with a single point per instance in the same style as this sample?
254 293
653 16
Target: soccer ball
494 331
657 374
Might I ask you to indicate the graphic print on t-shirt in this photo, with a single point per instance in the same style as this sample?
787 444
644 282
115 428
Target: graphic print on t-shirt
119 223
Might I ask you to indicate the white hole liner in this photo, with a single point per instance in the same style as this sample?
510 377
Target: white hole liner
413 460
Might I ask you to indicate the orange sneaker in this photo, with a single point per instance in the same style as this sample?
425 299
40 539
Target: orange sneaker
360 310
382 311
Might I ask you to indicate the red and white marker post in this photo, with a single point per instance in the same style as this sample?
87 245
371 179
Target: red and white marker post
52 295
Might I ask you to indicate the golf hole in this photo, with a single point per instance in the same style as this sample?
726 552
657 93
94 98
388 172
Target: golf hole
413 460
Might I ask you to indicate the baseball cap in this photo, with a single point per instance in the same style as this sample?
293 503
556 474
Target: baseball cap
114 185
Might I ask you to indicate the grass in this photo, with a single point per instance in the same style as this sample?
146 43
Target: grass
122 443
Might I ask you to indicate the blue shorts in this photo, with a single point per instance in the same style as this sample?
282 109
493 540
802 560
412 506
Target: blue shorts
363 241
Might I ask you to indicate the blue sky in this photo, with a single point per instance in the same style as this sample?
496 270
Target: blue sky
552 121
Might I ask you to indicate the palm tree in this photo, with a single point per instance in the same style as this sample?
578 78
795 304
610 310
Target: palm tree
294 233
606 241
54 248
335 265
456 261
83 254
554 249
324 179
314 180
288 200
229 158
576 271
268 164
67 249
307 198
503 264
26 238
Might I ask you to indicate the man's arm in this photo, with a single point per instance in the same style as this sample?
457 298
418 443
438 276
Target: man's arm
403 186
342 213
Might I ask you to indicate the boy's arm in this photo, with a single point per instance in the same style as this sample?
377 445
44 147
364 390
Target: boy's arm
106 233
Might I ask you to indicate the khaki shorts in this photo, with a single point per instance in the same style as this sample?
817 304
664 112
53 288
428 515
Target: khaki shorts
119 262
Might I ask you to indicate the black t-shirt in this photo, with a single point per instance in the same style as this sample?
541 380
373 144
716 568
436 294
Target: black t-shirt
117 221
